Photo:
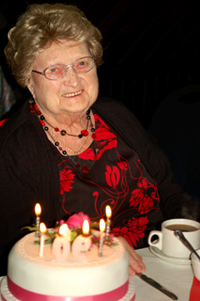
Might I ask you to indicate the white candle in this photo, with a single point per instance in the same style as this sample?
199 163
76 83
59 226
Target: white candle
61 244
42 231
82 243
108 222
101 237
38 211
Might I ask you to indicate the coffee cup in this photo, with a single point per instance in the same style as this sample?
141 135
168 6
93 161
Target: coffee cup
166 241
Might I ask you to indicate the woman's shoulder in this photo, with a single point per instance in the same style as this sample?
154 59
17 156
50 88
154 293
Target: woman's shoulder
103 103
16 131
114 111
125 125
118 116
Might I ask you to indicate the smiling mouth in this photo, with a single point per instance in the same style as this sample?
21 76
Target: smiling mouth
72 94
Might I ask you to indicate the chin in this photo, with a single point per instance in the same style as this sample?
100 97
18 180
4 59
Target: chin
79 104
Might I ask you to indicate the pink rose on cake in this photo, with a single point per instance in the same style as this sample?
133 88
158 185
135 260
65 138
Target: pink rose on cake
75 221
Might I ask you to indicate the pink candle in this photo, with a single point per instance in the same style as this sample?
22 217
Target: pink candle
82 243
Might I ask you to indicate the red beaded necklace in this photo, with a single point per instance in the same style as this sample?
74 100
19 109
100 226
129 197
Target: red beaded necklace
34 109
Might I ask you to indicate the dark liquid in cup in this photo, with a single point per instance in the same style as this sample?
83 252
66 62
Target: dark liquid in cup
184 228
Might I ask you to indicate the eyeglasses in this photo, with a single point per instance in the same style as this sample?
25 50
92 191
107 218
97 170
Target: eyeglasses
56 72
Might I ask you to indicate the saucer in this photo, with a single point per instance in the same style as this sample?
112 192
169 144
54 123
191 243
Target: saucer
161 255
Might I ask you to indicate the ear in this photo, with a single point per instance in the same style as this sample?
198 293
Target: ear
30 87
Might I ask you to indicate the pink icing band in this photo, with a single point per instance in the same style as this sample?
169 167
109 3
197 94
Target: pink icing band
24 295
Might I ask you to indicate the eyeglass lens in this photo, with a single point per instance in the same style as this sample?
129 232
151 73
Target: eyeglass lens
82 65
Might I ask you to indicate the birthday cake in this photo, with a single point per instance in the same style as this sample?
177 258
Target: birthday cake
32 277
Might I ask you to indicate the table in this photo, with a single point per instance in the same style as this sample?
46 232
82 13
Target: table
177 278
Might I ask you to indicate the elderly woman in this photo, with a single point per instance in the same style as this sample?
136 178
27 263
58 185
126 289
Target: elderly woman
70 151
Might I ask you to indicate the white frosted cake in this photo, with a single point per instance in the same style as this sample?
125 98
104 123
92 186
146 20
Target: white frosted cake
31 277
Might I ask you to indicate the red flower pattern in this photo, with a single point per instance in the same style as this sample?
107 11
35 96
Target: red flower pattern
66 179
133 230
105 139
112 176
122 165
141 196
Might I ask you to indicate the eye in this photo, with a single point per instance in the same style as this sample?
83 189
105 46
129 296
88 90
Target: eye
55 72
82 64
54 69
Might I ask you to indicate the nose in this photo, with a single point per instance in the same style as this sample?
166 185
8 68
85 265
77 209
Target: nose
71 76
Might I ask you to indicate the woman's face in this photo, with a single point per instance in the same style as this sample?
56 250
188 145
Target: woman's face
72 94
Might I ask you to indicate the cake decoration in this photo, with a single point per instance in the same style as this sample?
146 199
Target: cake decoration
70 234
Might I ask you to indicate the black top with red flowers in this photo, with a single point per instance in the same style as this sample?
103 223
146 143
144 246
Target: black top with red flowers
116 178
129 171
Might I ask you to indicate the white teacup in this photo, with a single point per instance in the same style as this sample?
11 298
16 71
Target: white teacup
196 265
166 241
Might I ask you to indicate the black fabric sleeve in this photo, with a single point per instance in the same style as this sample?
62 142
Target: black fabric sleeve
26 178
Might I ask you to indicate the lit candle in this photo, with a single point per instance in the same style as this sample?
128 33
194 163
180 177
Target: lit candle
102 229
43 229
37 223
82 243
61 244
108 222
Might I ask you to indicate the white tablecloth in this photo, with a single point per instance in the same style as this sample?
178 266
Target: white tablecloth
176 278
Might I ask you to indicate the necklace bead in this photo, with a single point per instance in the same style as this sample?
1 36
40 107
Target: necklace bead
84 169
63 132
42 122
84 133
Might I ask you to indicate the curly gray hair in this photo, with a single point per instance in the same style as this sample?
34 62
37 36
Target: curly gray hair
39 27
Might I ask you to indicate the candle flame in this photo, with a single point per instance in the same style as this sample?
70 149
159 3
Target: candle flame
38 209
108 211
86 227
63 229
102 225
43 228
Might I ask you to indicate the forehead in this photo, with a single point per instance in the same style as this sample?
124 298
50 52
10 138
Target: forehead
62 52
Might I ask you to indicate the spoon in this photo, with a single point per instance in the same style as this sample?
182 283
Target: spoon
181 237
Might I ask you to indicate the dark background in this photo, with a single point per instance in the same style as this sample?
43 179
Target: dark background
151 48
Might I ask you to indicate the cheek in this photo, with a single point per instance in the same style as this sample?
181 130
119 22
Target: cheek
94 84
45 88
